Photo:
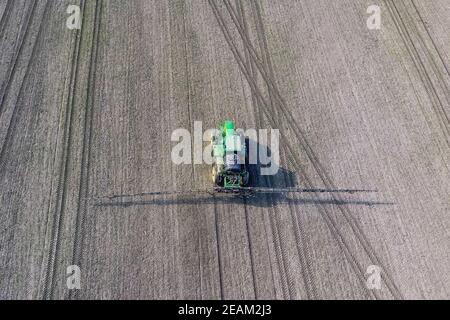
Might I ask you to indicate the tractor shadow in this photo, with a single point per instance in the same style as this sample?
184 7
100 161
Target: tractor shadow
283 178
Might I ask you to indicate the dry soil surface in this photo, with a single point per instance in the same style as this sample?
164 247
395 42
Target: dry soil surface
90 112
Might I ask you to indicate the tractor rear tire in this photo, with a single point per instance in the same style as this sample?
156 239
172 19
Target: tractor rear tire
217 177
245 179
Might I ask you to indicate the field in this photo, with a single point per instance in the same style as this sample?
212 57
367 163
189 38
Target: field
90 112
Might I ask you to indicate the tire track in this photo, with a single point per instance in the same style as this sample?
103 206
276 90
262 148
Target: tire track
5 17
331 224
250 248
241 14
420 65
275 227
87 144
17 106
247 221
190 113
306 271
320 171
436 49
324 211
62 186
262 39
358 270
280 254
301 243
216 224
12 67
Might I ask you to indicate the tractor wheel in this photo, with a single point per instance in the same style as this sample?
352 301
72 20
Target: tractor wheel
216 177
247 151
245 179
219 180
213 173
212 137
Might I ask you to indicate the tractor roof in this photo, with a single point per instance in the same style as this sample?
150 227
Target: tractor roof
228 127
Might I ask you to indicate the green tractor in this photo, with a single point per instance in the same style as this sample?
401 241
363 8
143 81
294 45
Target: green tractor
230 158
